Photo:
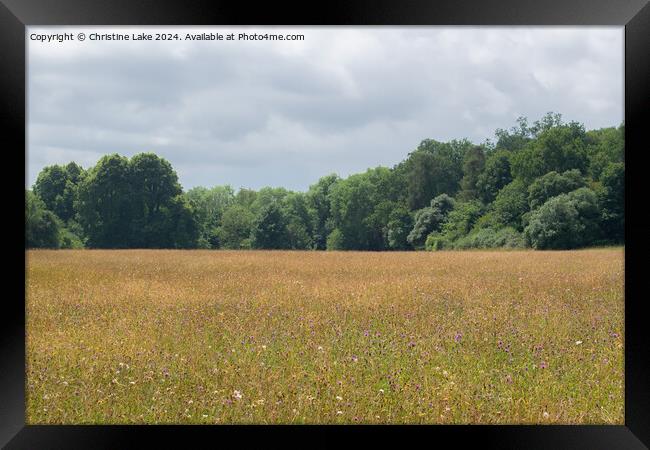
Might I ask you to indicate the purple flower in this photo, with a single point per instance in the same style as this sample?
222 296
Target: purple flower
458 337
354 359
614 335
543 365
366 333
411 344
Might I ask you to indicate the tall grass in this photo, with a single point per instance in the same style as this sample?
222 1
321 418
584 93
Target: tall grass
331 337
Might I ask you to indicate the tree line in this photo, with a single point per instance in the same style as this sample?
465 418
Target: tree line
545 185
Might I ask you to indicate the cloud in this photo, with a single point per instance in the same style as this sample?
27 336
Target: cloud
257 113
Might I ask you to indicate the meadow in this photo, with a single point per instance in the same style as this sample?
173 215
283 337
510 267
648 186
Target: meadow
217 337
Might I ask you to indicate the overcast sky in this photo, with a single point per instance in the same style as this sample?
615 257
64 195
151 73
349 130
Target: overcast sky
262 113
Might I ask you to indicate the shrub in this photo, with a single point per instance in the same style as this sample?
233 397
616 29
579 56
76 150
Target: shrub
553 184
335 240
492 238
68 239
510 204
564 222
435 242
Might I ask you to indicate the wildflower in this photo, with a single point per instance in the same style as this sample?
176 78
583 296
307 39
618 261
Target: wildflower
381 391
320 348
354 359
339 412
545 415
237 394
614 335
543 365
263 347
445 373
578 342
339 398
366 333
458 337
205 416
411 344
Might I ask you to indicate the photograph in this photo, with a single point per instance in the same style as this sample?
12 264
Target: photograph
352 225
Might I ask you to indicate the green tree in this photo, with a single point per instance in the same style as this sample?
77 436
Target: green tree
154 187
335 240
461 220
516 138
42 227
235 229
270 228
181 230
208 206
430 219
434 168
360 206
299 220
245 197
398 228
510 205
319 205
495 176
605 146
612 202
104 206
473 166
552 184
559 149
57 186
564 222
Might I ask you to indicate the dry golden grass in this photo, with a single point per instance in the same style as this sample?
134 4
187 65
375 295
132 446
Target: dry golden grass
330 337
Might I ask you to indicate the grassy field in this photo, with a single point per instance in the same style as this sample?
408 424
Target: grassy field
330 337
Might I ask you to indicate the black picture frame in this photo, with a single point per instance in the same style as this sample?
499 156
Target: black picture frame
15 15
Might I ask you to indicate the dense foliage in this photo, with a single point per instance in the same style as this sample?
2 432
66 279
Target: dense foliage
549 185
